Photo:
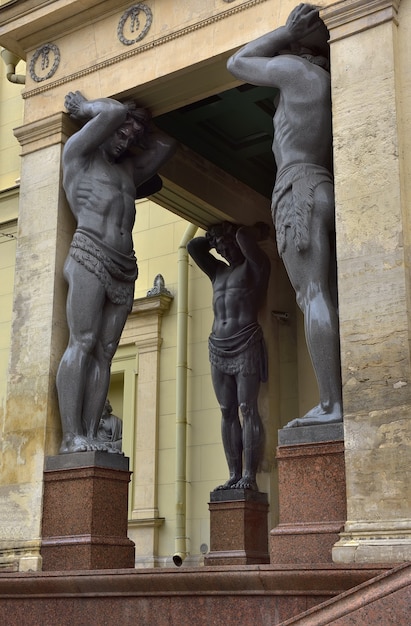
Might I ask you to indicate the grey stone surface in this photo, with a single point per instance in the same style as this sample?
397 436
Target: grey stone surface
311 434
95 458
224 495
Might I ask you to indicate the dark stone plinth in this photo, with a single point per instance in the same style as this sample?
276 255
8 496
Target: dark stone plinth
312 502
238 528
87 459
85 513
311 434
224 495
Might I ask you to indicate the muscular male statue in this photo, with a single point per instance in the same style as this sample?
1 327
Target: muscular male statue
236 344
294 59
101 178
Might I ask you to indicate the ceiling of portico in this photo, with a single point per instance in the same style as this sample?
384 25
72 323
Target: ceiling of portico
233 130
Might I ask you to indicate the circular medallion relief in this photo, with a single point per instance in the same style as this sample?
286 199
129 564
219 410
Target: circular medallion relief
134 24
44 62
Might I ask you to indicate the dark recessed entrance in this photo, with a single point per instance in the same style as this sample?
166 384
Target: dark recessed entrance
233 130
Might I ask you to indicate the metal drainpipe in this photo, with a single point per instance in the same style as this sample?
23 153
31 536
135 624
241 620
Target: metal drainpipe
180 545
11 61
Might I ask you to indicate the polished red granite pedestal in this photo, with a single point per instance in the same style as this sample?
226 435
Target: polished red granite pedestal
312 498
85 512
238 528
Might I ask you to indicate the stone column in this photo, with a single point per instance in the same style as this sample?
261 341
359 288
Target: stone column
31 426
374 280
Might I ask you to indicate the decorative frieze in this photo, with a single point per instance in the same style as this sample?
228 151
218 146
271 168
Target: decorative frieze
132 18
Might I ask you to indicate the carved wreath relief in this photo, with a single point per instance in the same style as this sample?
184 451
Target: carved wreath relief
44 62
134 24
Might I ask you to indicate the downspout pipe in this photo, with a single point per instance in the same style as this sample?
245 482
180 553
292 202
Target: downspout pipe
180 545
11 60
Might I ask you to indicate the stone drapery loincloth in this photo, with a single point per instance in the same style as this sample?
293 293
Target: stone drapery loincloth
117 272
243 353
293 201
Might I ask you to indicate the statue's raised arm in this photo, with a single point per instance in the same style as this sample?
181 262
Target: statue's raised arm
101 118
257 62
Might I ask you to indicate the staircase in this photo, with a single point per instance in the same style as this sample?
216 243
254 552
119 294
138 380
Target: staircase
255 595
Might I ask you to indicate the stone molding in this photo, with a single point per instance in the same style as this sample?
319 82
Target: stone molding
143 325
20 556
45 132
348 17
379 528
147 522
151 304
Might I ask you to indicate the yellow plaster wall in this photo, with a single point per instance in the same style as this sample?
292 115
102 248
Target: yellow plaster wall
7 255
11 116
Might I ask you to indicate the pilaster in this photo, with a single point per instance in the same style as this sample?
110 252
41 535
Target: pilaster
31 425
374 280
143 329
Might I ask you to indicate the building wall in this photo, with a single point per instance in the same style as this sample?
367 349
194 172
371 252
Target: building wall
182 60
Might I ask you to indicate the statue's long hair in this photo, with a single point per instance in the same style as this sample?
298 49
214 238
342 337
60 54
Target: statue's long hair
223 229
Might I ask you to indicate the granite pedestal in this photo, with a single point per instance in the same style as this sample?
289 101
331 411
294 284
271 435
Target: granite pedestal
85 512
238 528
312 495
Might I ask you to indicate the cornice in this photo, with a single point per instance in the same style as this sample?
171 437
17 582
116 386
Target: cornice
348 17
150 305
45 132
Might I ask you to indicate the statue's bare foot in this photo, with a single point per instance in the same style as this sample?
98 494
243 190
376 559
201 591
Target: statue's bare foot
74 443
318 416
101 446
112 449
246 482
227 485
79 443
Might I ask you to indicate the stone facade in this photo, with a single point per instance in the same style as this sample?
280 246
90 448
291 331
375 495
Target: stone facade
179 59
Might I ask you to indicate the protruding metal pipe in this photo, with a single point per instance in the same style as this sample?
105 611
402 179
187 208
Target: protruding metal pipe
181 398
11 60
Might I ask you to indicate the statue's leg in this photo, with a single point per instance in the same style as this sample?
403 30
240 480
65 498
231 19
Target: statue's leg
253 430
226 392
113 319
85 301
309 272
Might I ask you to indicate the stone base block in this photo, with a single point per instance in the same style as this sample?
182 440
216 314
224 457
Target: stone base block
381 541
312 500
85 512
238 528
303 543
